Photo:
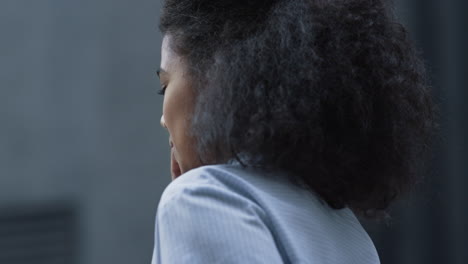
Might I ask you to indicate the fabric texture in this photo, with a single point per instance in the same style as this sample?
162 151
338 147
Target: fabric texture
229 214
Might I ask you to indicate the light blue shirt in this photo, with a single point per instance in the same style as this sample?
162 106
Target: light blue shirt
229 214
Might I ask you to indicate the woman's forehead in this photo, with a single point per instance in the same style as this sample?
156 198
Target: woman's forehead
166 54
171 62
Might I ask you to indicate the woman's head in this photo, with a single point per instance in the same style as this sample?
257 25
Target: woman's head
330 91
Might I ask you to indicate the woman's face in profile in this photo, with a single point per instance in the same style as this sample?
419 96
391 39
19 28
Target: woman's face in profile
179 99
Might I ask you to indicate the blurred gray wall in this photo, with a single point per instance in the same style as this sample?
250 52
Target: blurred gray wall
79 125
79 118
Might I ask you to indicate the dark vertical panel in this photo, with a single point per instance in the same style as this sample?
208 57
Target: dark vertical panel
456 83
425 219
430 225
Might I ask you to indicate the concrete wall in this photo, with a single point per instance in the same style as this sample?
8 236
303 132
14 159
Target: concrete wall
79 118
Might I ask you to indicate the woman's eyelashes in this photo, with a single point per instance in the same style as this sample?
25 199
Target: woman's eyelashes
162 90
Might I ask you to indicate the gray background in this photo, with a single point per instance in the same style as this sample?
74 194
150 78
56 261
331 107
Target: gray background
79 125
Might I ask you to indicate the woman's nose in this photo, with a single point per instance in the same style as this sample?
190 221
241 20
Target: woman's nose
163 123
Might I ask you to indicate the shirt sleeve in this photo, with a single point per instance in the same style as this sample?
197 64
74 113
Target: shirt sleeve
206 223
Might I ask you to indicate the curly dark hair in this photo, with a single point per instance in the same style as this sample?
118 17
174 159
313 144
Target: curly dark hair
331 91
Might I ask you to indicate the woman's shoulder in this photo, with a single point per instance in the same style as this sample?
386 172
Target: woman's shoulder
223 197
242 183
219 178
208 215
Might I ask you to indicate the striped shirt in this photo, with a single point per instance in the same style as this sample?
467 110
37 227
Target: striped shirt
228 214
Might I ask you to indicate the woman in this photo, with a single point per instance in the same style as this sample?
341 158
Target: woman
287 119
